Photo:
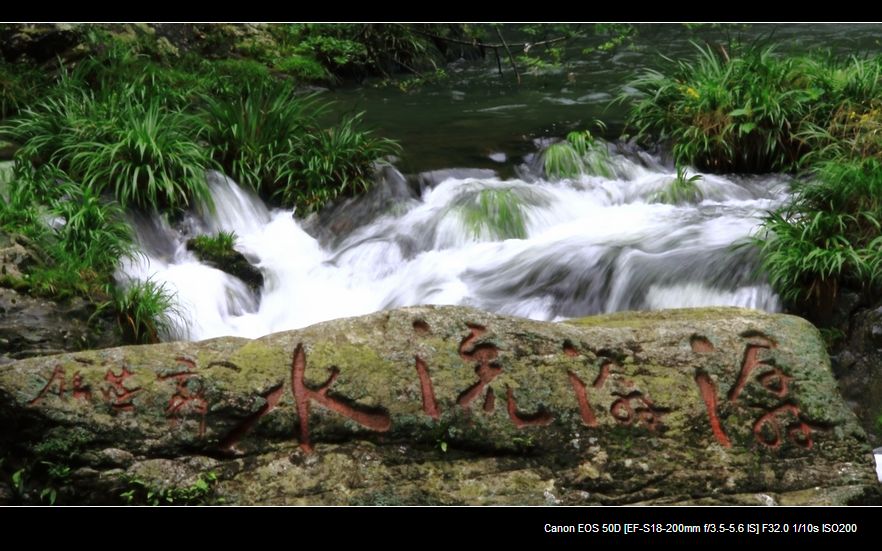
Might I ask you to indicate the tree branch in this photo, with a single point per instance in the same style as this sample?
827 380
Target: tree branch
510 57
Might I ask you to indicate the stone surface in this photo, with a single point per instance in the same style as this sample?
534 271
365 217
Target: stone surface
32 326
450 405
35 326
858 367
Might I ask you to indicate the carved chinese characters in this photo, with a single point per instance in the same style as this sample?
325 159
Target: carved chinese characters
303 395
780 422
481 376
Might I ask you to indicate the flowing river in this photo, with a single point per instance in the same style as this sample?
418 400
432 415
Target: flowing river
584 246
472 221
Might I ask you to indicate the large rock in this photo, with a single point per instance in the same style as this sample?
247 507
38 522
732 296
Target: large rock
230 261
448 405
858 367
32 326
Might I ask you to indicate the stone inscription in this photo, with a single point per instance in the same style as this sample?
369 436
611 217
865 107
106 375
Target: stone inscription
782 421
778 421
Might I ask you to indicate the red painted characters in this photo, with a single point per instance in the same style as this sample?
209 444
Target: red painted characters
782 422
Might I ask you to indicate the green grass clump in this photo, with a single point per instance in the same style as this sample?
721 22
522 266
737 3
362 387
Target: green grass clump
754 111
499 213
146 311
579 153
248 134
138 148
726 115
828 236
682 189
335 162
219 245
269 138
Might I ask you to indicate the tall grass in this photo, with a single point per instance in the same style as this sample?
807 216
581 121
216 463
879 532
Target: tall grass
724 114
125 141
146 312
754 111
335 162
270 139
148 159
250 133
579 153
828 236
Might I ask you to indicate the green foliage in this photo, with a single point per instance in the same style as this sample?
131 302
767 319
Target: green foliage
301 67
145 311
79 253
828 236
94 231
269 138
337 162
230 77
136 146
141 492
754 111
62 444
726 115
20 208
147 159
611 36
496 212
219 245
19 85
682 189
40 481
249 134
580 153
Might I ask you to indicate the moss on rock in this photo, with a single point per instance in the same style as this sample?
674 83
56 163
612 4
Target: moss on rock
450 405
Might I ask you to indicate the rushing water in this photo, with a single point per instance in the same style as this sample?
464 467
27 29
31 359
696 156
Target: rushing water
588 245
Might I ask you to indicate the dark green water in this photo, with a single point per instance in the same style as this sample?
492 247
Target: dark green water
462 120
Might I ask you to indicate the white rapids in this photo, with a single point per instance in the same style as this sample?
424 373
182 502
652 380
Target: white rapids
585 246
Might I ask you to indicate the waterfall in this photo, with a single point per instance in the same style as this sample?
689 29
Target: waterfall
526 247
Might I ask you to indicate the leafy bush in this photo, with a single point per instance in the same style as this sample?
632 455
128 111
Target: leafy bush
248 134
269 139
301 67
148 159
756 111
726 115
136 146
828 236
332 163
94 231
